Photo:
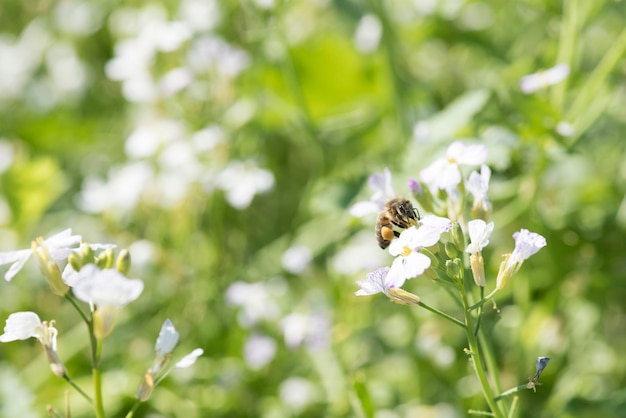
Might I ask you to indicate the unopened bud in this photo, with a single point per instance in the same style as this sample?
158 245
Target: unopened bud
123 261
506 272
478 269
453 269
56 365
75 261
457 235
86 254
144 391
105 259
53 275
402 297
103 320
451 250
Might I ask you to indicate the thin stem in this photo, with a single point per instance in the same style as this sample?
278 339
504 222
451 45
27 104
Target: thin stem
72 300
480 311
97 380
75 386
513 407
567 43
477 359
483 300
131 413
442 314
511 391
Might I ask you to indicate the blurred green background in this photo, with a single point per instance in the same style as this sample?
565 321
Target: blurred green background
223 143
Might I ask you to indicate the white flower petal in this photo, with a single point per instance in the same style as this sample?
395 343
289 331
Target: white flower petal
21 326
18 258
360 209
479 232
106 287
374 282
189 359
404 268
167 340
526 244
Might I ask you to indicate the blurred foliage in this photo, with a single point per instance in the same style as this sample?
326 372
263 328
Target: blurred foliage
303 90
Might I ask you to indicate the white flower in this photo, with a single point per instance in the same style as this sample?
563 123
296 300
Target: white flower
167 339
106 287
376 282
409 261
526 244
109 290
296 259
255 300
542 79
24 325
311 330
58 247
380 183
259 350
242 181
368 33
189 359
478 185
444 173
479 232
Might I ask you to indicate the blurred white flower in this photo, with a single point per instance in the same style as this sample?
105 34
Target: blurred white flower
478 186
377 282
213 53
380 184
167 339
241 181
189 360
542 79
311 330
444 173
58 247
296 259
174 81
7 154
368 33
78 17
298 393
259 350
200 15
208 138
361 253
565 128
255 301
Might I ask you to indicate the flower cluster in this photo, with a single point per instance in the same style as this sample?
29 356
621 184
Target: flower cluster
437 240
93 274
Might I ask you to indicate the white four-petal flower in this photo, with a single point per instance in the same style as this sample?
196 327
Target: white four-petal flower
444 173
479 232
382 186
106 287
58 246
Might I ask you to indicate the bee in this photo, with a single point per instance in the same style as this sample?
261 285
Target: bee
399 213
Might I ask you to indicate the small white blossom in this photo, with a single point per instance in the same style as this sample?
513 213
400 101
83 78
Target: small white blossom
24 325
380 183
479 232
167 340
190 359
259 350
296 259
376 282
58 247
106 287
542 79
368 33
241 181
526 244
478 185
444 173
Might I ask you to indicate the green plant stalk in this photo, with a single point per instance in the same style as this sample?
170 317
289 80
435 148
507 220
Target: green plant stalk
131 413
442 314
75 386
97 379
597 77
567 41
477 359
511 391
482 301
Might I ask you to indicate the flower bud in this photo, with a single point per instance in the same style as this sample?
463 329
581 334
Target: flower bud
75 261
478 269
86 254
53 275
505 273
451 250
453 269
122 264
105 259
56 365
144 391
422 195
103 320
402 297
457 235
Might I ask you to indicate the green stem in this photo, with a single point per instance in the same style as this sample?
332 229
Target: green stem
511 391
97 380
75 386
483 300
567 43
131 413
477 359
442 314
